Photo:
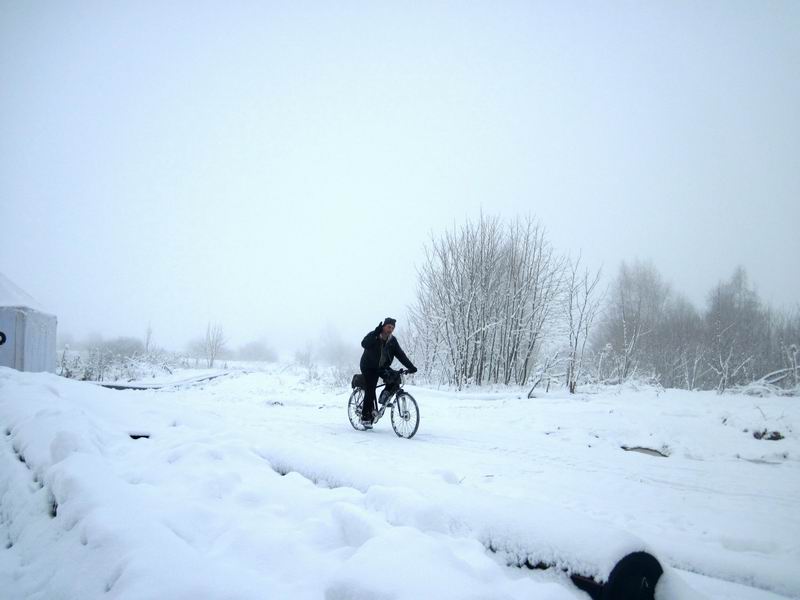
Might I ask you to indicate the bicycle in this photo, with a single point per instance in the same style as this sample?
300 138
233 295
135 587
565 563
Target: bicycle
404 413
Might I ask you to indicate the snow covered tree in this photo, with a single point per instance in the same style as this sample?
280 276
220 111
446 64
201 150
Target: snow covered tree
485 293
213 343
636 305
737 330
581 305
680 356
148 337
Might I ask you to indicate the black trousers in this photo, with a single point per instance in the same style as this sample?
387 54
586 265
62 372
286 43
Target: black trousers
371 377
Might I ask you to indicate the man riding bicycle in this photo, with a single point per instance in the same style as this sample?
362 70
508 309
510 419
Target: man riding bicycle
380 349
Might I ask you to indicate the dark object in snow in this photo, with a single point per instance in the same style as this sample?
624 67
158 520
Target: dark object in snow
649 451
2 338
139 435
634 577
759 461
772 436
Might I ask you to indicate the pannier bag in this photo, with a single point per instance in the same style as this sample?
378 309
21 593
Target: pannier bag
358 381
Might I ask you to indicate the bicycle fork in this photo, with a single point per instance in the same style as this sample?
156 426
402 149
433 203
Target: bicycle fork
400 400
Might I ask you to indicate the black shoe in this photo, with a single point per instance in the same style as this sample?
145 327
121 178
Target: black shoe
366 423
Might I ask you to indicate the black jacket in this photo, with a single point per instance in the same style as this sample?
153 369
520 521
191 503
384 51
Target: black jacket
379 354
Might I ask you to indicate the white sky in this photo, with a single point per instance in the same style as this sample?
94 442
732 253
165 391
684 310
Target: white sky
277 167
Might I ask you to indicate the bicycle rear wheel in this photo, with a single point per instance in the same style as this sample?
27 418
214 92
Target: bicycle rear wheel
405 415
354 406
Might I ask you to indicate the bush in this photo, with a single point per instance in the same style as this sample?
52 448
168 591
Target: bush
102 364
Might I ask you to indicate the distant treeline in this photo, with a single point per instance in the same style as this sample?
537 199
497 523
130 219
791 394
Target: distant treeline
650 330
129 358
496 303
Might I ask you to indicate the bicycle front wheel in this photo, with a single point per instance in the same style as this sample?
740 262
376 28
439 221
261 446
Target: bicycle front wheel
405 415
354 406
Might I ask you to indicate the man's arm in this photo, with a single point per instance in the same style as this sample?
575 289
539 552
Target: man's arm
371 339
401 356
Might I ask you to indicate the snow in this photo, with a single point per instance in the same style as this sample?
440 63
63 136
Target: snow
182 378
254 485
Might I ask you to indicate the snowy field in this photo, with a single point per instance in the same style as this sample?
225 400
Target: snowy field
254 485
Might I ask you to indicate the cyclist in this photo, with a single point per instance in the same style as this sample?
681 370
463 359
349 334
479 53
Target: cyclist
380 349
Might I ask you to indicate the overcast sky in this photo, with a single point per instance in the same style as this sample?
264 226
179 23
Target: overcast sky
277 167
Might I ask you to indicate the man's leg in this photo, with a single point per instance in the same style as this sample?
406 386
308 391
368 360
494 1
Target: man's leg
371 378
390 378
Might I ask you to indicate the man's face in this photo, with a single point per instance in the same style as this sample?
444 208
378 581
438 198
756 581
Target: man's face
388 329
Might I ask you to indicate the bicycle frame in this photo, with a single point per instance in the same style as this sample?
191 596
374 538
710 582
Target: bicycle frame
395 397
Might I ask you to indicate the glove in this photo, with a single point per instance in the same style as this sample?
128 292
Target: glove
379 327
412 370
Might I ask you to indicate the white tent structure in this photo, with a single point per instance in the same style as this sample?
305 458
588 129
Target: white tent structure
27 332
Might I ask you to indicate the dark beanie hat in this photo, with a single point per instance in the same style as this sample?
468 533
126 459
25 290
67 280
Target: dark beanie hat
389 321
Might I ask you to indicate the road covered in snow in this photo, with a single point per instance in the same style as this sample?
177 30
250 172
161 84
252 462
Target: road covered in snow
254 485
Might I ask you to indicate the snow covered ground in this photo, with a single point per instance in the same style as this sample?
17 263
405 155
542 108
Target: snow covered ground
254 485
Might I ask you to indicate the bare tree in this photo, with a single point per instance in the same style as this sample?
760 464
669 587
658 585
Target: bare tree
485 294
214 343
791 354
726 364
544 372
148 337
582 303
637 301
737 330
677 348
453 316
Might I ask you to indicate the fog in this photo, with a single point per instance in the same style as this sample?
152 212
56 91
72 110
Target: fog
278 167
